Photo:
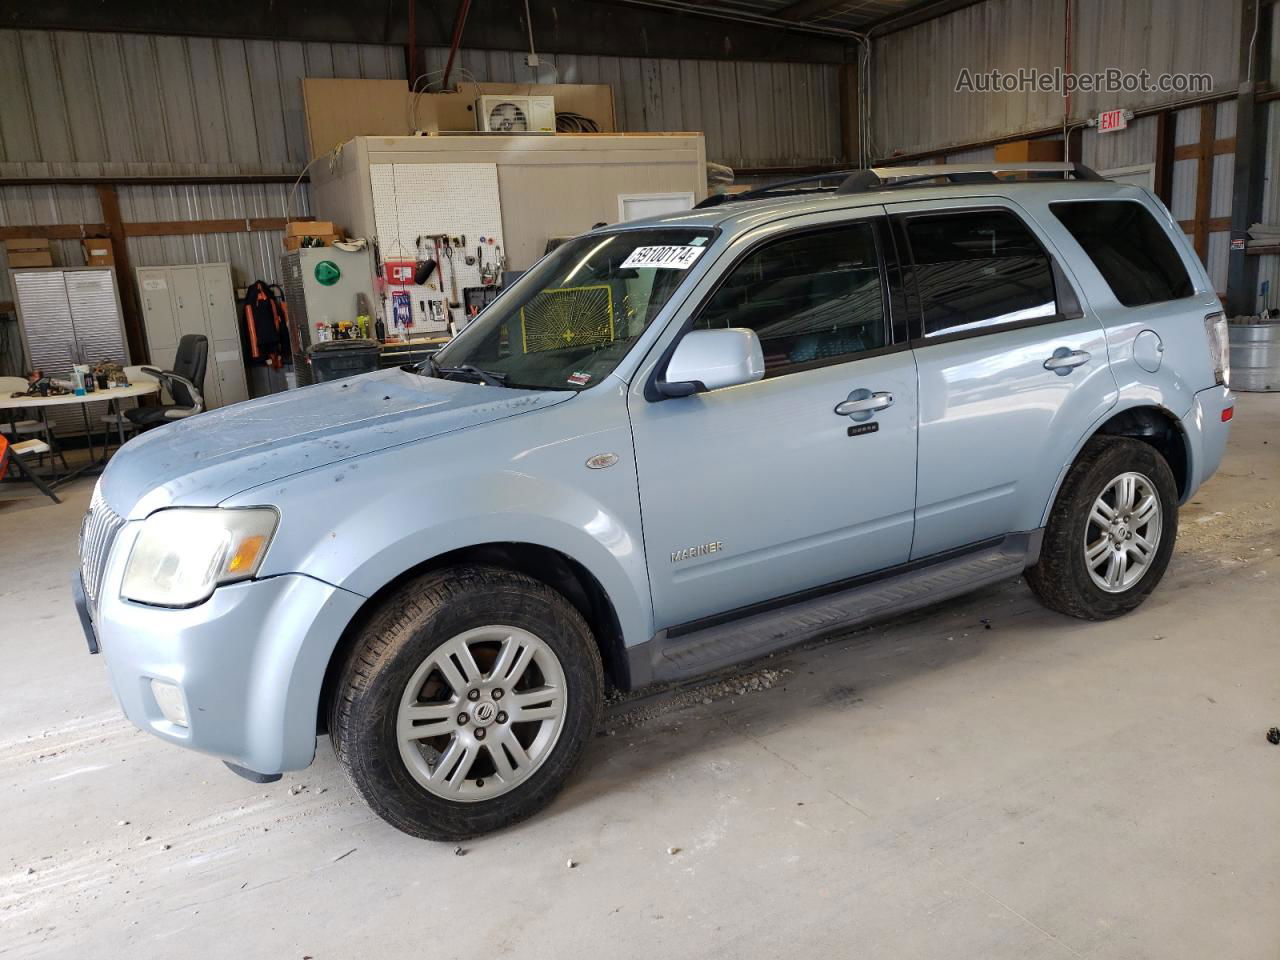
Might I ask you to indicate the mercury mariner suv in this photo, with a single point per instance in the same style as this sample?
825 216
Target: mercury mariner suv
671 446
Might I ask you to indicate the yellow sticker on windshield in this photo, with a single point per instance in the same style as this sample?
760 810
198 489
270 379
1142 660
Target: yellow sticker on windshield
568 317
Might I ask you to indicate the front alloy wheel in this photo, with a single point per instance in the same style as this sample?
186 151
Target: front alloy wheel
482 713
465 701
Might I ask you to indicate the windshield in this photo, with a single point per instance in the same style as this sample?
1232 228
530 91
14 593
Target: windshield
575 315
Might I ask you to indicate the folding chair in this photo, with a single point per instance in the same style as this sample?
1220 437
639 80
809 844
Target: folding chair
11 454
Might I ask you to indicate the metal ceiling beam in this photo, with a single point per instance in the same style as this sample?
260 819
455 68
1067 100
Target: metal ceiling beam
914 16
726 15
807 9
596 27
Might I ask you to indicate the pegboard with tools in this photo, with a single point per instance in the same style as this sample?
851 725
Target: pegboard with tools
446 213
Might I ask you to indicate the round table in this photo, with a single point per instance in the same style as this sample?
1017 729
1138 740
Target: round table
111 396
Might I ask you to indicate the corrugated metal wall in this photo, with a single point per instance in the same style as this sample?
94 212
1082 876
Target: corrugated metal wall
106 104
753 114
915 103
98 104
95 104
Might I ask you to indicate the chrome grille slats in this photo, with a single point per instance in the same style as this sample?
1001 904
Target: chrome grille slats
101 524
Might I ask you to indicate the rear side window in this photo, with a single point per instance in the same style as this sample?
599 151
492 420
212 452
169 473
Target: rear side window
978 268
1130 249
813 299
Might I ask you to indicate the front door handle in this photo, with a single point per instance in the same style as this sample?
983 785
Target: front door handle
863 401
1064 361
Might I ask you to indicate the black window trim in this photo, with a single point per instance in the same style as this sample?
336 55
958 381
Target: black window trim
1163 227
917 339
894 326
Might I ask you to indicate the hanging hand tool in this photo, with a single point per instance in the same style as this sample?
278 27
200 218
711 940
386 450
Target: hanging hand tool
453 276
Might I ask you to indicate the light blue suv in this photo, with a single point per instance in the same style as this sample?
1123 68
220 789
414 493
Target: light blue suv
671 446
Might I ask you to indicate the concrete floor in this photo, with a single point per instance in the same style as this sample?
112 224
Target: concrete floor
934 788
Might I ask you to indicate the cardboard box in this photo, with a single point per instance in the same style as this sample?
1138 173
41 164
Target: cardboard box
308 228
30 259
98 252
27 245
1029 151
294 243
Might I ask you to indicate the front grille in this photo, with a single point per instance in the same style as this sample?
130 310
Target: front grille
101 524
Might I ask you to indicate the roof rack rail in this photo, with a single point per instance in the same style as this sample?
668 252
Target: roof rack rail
881 178
781 188
885 178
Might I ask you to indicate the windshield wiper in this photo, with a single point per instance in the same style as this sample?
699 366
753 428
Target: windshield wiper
487 377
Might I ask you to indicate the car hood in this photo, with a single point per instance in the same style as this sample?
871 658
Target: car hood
205 459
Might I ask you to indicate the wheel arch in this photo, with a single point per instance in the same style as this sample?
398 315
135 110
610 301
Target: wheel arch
1153 424
559 571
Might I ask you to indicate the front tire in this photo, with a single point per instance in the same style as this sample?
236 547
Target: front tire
1111 531
466 702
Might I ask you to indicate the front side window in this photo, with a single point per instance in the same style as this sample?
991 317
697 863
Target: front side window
575 315
978 268
1130 249
812 298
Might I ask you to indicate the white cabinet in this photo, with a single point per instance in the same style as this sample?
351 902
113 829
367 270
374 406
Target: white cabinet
200 299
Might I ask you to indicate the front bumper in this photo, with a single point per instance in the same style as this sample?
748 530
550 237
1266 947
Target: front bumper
249 663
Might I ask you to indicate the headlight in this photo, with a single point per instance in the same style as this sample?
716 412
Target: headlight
181 555
1215 328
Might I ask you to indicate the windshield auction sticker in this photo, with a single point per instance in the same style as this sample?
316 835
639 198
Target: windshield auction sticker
672 258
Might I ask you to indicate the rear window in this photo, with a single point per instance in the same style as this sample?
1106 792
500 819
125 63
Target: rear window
1129 247
976 269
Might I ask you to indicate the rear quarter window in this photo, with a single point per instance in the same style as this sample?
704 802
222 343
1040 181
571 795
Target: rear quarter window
1129 247
976 269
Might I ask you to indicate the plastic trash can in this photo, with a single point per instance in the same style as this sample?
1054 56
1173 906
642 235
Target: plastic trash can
336 359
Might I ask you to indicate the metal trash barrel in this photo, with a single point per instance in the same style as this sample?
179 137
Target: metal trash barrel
335 359
1255 354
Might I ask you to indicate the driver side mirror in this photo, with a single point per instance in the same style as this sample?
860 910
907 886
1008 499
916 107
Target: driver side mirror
710 359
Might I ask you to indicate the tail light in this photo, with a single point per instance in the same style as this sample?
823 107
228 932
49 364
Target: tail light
1215 329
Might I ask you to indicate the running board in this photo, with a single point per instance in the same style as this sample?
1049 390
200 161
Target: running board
703 649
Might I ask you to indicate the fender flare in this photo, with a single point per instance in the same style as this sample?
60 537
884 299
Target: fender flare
1124 405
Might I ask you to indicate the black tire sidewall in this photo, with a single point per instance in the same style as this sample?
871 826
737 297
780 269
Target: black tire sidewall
475 597
1066 532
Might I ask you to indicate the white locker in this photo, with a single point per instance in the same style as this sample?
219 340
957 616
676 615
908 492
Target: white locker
178 300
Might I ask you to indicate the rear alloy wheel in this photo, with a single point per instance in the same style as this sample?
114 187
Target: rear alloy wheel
1123 532
466 701
1111 531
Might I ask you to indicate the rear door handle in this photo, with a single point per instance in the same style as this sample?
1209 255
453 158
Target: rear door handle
863 401
1064 361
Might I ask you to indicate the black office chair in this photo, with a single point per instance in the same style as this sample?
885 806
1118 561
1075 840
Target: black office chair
185 383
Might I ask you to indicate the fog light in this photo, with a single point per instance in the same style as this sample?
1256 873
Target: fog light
169 700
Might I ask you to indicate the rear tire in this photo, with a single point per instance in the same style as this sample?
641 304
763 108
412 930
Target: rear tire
1111 531
466 702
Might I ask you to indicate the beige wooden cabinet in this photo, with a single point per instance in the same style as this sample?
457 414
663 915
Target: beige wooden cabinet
178 300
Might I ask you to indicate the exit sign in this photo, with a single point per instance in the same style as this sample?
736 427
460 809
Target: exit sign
1112 120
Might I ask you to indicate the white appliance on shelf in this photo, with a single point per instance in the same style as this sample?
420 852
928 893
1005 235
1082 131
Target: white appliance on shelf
516 114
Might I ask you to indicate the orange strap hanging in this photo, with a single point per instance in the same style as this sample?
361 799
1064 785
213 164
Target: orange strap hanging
253 333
